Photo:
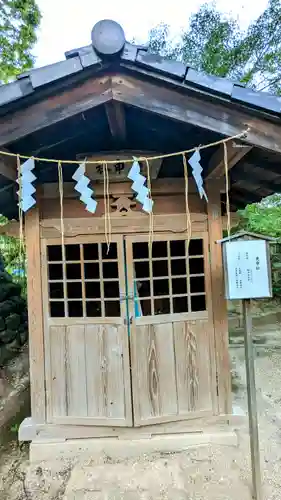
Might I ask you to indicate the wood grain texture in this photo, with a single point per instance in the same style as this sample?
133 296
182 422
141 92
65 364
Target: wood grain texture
154 373
163 204
218 301
216 167
179 104
57 391
50 228
106 372
193 360
35 315
76 381
53 109
159 187
8 166
186 355
89 380
171 368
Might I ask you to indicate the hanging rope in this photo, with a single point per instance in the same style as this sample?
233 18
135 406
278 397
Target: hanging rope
151 216
187 211
108 207
226 187
21 236
107 219
241 135
60 176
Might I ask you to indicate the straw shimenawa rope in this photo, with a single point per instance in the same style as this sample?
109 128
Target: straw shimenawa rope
241 135
21 252
108 207
106 197
151 216
60 176
226 187
187 211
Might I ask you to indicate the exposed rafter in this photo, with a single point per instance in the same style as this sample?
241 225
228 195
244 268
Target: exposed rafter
174 103
8 166
117 121
235 152
238 176
244 196
177 104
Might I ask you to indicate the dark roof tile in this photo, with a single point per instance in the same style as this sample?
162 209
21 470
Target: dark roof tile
89 58
129 53
53 72
261 100
152 61
15 90
212 83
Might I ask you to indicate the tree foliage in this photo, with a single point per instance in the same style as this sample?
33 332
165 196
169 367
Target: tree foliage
19 20
265 218
215 44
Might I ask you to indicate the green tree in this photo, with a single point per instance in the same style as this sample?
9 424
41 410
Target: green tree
215 44
265 218
19 20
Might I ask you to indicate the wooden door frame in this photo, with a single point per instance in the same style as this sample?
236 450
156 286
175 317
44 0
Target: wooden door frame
204 315
67 321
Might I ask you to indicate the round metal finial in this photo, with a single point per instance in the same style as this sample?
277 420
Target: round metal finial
108 37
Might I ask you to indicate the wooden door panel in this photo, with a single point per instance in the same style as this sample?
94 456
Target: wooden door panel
172 354
56 372
192 357
171 372
91 382
154 372
86 340
105 377
76 380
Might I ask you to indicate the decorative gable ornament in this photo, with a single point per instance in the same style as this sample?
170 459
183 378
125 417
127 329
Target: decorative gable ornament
197 170
26 189
143 193
82 183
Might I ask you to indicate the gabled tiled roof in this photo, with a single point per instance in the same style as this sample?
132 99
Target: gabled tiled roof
137 57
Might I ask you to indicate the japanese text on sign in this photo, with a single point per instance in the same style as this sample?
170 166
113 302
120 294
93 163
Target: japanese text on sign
247 269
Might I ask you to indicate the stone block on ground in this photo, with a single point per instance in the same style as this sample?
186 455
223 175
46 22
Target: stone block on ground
206 472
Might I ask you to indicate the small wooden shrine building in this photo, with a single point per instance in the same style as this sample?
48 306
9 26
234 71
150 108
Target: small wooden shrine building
132 340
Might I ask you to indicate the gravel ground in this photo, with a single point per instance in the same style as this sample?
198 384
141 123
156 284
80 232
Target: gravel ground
268 384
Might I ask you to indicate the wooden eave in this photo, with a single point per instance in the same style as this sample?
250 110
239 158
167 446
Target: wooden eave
99 98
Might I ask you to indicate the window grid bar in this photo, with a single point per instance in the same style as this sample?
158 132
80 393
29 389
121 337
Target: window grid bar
151 277
187 244
174 276
79 261
64 282
179 257
101 281
102 299
170 278
83 280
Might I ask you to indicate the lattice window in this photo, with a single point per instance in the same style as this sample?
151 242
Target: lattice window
171 280
83 280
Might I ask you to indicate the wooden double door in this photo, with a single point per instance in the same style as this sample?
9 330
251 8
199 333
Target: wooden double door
129 335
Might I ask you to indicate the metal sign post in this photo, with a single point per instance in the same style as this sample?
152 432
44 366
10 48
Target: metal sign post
252 400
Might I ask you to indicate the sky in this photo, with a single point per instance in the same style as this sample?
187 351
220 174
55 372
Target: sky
67 24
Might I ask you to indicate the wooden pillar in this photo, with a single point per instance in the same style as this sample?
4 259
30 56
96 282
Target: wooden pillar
218 301
35 315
